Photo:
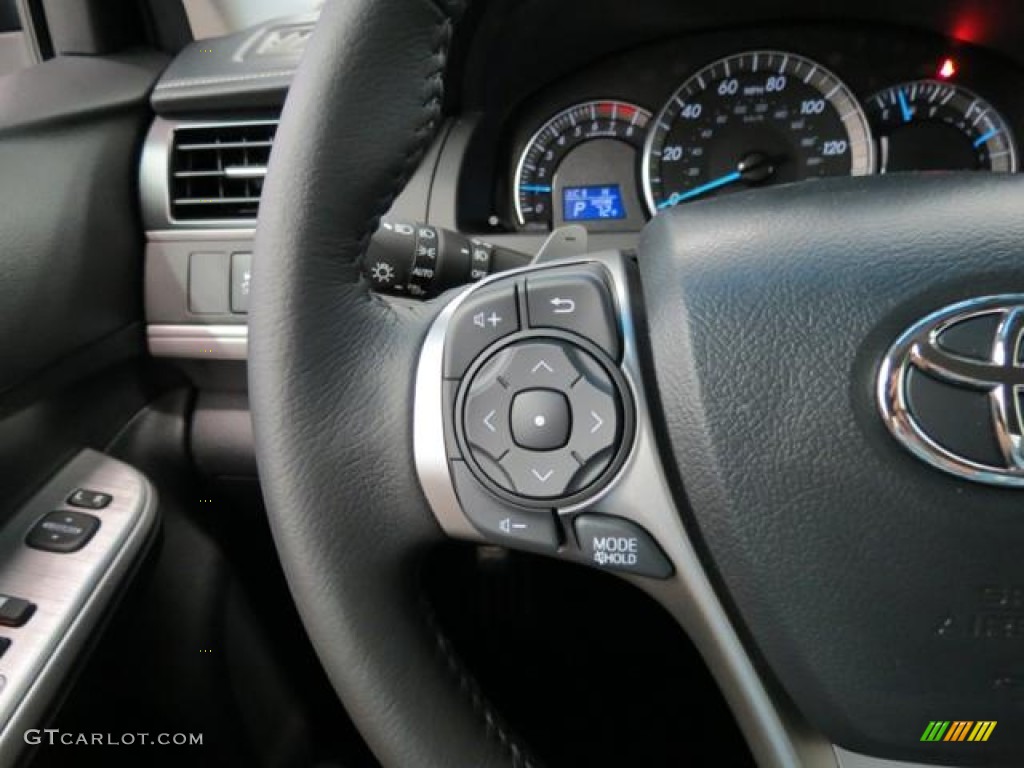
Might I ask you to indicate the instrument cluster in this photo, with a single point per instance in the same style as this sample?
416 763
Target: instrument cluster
762 116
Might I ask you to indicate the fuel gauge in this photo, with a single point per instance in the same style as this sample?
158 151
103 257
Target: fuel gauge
929 125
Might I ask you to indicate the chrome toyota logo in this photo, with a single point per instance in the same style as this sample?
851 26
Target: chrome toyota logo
950 389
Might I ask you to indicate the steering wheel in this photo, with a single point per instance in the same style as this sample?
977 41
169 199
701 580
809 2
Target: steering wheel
749 368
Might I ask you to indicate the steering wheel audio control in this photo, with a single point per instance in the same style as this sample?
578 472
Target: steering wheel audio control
576 302
541 418
538 416
486 316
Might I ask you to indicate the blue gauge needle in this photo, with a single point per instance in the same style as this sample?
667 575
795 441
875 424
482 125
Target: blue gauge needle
985 137
721 181
904 107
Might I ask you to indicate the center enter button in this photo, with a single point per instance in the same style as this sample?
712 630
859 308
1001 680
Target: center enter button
541 419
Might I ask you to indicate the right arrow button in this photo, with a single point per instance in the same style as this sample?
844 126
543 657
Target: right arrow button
596 425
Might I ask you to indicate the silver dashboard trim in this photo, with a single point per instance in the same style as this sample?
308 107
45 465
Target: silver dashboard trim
71 590
177 235
199 342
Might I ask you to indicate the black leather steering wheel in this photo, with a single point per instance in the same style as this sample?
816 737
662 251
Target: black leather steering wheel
825 573
332 372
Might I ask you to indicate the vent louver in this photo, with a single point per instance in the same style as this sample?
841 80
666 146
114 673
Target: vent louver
217 170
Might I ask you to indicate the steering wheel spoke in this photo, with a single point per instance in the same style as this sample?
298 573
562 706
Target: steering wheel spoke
625 519
704 410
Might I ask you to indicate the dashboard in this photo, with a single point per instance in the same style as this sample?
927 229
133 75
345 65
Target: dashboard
585 112
670 123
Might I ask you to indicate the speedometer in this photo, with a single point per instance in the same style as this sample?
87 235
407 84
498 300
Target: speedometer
753 119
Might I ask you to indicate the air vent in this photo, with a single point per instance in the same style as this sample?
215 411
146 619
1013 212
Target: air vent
217 170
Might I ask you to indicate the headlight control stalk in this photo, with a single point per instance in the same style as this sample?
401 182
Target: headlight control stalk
420 260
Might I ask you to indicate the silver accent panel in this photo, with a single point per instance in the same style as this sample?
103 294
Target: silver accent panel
70 590
204 235
154 176
1000 376
639 493
199 342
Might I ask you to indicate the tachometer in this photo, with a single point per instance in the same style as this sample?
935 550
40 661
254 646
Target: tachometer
580 167
928 125
752 119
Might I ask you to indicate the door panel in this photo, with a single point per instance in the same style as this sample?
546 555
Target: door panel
70 261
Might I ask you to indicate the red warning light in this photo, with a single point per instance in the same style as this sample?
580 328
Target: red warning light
947 69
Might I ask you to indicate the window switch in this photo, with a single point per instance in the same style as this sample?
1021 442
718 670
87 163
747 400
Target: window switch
87 499
63 531
14 611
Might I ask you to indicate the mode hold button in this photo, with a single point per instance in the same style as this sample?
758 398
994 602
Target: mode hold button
614 544
486 315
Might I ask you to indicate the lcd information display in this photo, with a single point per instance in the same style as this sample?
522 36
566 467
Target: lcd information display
592 203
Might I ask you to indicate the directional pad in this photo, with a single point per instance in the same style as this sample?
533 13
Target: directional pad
542 419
